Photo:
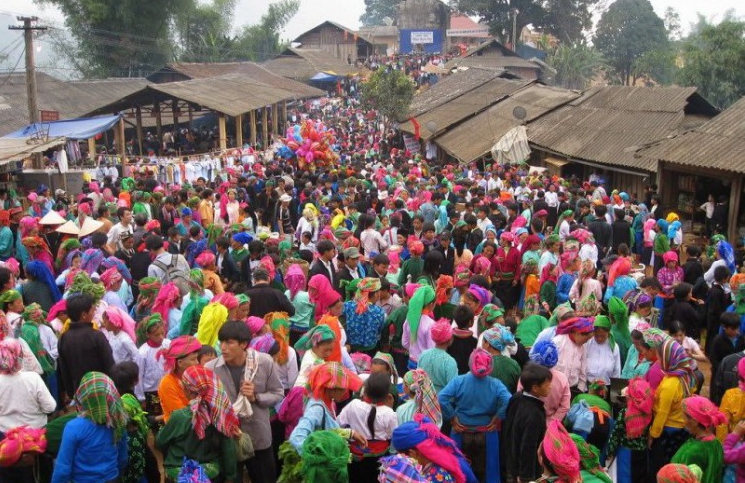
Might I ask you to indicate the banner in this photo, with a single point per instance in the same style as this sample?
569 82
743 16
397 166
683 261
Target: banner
423 37
412 145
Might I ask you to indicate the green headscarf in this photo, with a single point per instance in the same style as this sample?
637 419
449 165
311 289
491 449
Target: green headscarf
128 184
146 325
551 240
603 322
388 359
33 316
133 408
564 214
315 336
619 315
10 296
326 458
98 400
589 458
192 312
213 232
349 287
740 299
423 296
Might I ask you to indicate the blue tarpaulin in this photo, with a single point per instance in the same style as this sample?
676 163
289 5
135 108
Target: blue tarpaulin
82 128
324 77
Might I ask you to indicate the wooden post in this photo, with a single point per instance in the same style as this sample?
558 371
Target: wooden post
264 128
284 113
138 118
92 148
275 120
734 207
252 121
174 108
239 131
158 123
222 132
121 143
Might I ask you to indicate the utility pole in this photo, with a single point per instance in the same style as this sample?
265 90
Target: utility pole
28 35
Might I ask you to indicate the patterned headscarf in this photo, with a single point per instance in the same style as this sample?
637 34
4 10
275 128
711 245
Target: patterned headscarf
399 469
180 347
480 363
11 356
545 353
111 277
211 406
425 397
149 286
499 337
120 266
326 457
366 286
388 359
491 313
444 283
703 411
27 225
91 260
639 402
582 325
482 295
674 361
562 453
315 336
280 325
654 338
423 296
442 331
331 375
727 253
589 458
98 400
416 248
205 259
677 473
268 264
462 276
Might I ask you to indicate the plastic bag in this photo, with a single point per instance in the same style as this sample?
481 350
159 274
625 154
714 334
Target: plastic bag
192 472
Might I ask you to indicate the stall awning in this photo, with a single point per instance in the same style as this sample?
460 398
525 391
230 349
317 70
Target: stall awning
82 128
324 77
558 162
15 149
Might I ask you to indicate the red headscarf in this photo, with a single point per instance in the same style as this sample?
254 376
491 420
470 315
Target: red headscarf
322 294
444 283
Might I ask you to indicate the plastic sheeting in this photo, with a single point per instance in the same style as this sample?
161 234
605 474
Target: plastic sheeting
82 128
513 147
15 149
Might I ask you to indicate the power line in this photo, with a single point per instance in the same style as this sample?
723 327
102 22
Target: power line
12 71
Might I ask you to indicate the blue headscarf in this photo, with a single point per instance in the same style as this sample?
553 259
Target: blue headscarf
545 353
194 250
91 260
39 271
727 254
499 337
663 225
423 435
643 212
68 259
672 230
243 238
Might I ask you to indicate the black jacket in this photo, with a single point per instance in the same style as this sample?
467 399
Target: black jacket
265 299
229 269
603 234
621 234
726 377
522 432
82 349
319 268
722 347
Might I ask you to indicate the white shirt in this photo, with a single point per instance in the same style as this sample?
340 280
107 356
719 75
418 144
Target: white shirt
24 400
122 347
572 361
288 372
115 233
372 241
355 416
49 340
708 207
602 361
151 369
552 198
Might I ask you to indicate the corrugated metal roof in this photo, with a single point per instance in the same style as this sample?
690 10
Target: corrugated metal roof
257 72
470 103
484 62
302 64
474 137
70 99
717 144
450 87
337 25
231 94
605 122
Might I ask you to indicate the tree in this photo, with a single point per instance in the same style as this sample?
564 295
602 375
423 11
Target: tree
566 19
377 10
713 59
204 32
390 92
261 41
576 65
625 32
124 38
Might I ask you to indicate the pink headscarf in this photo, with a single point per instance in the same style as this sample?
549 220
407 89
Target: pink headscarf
119 319
322 294
548 274
26 225
562 453
442 331
410 288
166 300
620 267
226 299
205 259
703 411
295 280
268 264
111 277
482 266
480 363
60 306
180 347
670 256
255 324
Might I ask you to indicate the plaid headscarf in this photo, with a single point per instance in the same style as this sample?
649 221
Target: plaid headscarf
399 469
589 458
98 400
149 286
120 266
562 453
444 283
91 260
388 359
582 325
280 325
423 296
654 338
674 361
35 242
180 347
111 277
315 336
366 286
677 473
462 276
331 375
211 406
639 402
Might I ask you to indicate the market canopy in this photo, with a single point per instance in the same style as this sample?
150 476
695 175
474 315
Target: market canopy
324 77
83 128
14 149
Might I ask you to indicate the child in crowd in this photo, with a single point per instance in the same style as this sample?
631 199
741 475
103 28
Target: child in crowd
727 342
153 331
206 354
464 341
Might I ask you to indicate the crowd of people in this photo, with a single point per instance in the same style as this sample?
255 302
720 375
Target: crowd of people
384 319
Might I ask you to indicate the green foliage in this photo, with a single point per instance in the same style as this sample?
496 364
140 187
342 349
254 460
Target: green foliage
576 65
123 38
377 10
566 19
713 58
626 31
657 65
390 92
204 31
261 41
292 464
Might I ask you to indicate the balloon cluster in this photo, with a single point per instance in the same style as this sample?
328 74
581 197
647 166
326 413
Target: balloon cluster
311 142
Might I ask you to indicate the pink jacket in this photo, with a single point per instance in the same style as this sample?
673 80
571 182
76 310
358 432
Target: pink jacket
734 454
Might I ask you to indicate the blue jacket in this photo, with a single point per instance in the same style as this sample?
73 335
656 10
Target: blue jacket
89 454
